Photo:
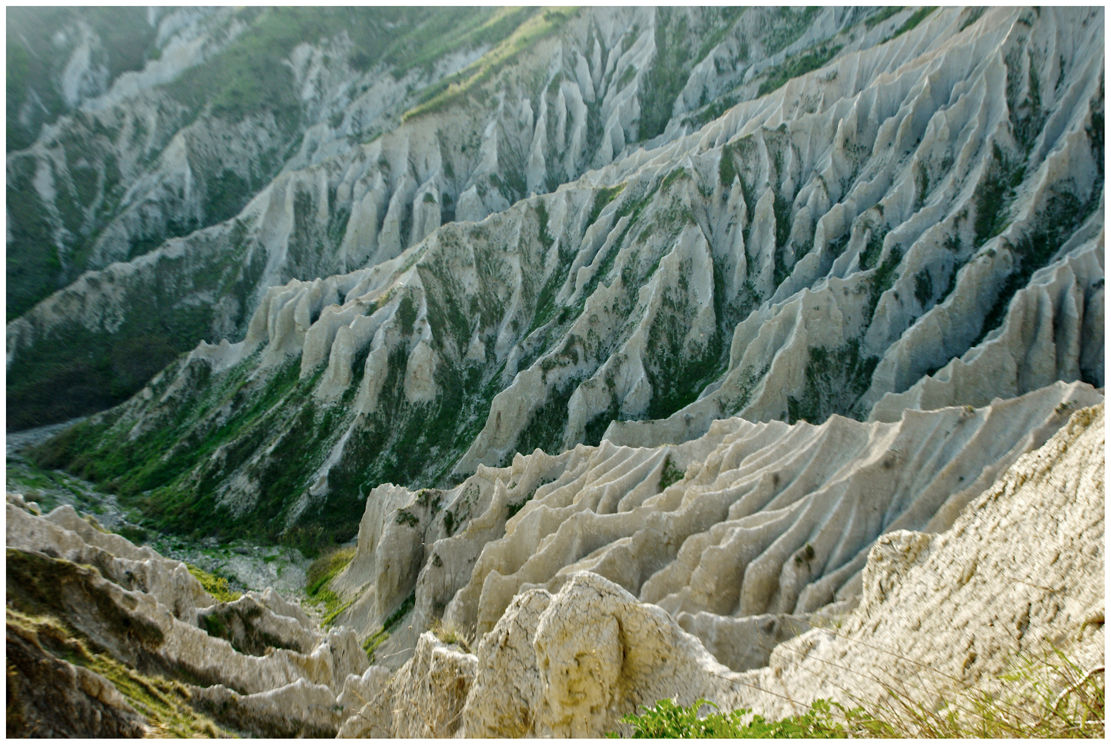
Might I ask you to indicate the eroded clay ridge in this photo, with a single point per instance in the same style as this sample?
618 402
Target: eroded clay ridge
257 665
741 535
1016 577
185 199
916 224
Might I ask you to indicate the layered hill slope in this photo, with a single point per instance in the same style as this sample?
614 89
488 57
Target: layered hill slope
1018 576
128 643
917 223
740 534
308 142
943 618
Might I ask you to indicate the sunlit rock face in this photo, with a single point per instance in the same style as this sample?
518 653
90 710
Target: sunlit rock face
746 536
950 610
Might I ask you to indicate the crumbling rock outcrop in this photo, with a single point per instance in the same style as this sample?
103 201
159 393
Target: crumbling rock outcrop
565 665
941 614
746 535
257 653
423 699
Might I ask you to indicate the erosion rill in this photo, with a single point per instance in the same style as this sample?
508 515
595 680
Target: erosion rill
604 356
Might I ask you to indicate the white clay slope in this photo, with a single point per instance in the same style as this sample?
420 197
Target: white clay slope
788 261
1018 575
749 525
942 616
344 197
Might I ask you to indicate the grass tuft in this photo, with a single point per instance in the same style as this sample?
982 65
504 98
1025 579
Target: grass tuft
215 586
1048 698
318 579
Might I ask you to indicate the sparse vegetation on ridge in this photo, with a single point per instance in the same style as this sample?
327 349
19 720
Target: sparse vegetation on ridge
318 579
215 586
165 704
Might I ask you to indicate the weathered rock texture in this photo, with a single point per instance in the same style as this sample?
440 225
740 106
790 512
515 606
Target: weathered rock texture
916 224
49 697
267 669
743 534
302 143
1020 571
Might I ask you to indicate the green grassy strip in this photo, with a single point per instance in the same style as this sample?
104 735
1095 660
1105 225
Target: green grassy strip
215 586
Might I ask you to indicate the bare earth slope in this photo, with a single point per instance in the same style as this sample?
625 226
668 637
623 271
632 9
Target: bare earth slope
1018 574
261 145
919 223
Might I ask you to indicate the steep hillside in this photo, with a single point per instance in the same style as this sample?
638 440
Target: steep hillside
302 143
917 223
772 534
741 535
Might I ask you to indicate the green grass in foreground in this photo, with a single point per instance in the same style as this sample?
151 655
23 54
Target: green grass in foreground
1052 698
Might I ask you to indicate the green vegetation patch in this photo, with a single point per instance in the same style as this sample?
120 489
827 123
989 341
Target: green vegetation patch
375 640
821 721
1062 215
169 471
522 30
882 14
668 72
318 581
797 65
602 197
1050 697
836 378
995 193
917 17
786 28
670 474
215 586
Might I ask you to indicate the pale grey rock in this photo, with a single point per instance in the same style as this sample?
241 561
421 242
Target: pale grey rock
423 699
507 688
299 709
64 534
1018 575
766 526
